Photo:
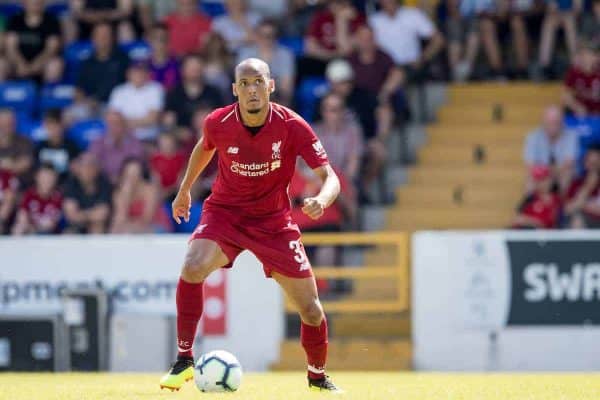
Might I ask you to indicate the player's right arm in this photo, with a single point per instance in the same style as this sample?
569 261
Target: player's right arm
199 159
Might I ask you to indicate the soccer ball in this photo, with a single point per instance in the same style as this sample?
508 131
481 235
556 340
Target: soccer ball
218 371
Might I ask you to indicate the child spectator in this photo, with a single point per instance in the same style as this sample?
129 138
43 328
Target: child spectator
56 150
41 207
168 163
540 209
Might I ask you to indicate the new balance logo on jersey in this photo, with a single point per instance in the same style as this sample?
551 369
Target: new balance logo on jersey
318 148
233 150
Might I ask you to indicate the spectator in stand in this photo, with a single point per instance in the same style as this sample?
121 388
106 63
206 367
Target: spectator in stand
53 73
135 200
462 32
553 146
375 71
329 36
120 14
9 186
56 150
559 14
105 69
582 83
116 146
87 197
582 203
188 28
32 38
399 31
168 164
299 15
590 28
341 136
151 11
17 150
269 8
541 208
280 59
218 64
80 109
41 207
140 100
191 92
164 67
237 25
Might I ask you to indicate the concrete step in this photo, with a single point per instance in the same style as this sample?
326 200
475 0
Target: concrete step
513 93
351 354
481 131
483 175
459 196
425 219
439 154
523 114
371 325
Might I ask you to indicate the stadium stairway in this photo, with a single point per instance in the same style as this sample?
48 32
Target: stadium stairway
469 175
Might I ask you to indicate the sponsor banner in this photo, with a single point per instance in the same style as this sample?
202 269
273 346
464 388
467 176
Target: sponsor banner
506 300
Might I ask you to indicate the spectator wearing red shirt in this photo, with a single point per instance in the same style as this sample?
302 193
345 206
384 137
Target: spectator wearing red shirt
329 36
540 209
582 206
582 83
41 208
188 28
167 163
9 184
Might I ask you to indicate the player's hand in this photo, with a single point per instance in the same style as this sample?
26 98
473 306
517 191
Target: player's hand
313 207
180 207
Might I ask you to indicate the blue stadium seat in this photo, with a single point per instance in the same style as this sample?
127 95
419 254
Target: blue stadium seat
32 128
7 10
19 95
85 132
308 94
56 96
74 55
59 10
588 132
212 8
294 43
188 227
137 51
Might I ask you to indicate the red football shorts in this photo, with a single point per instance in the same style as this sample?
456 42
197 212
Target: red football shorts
275 241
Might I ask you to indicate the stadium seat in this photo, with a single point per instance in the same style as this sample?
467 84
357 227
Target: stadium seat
56 96
32 128
85 132
294 43
58 9
7 10
309 92
74 55
195 213
212 8
19 95
137 51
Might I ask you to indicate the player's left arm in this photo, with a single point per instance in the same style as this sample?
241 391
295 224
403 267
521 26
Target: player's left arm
315 206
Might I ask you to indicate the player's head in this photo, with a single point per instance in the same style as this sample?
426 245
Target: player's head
253 85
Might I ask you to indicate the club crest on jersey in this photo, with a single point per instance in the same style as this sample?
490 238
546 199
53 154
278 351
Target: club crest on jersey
276 147
318 148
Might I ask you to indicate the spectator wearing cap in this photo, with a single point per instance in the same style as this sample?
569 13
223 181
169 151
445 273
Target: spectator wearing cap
87 197
581 94
164 67
116 146
16 150
140 100
105 69
56 149
541 208
9 186
399 31
236 25
582 203
40 211
280 59
554 146
33 38
189 94
188 28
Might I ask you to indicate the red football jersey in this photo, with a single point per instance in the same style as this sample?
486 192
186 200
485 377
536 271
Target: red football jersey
41 209
8 181
256 170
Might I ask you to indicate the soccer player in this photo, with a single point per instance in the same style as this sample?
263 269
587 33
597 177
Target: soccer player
257 142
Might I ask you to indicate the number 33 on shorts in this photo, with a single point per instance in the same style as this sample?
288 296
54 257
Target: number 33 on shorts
300 256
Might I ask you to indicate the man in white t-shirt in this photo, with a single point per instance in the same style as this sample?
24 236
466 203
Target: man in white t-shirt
399 31
140 100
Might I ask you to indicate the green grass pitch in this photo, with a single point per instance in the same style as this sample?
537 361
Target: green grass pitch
291 386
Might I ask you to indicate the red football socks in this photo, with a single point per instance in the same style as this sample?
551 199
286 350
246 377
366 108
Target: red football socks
314 341
189 310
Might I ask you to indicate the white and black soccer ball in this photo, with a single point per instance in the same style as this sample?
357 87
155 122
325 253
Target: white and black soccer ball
218 371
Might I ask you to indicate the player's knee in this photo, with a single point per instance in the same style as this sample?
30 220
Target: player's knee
312 313
196 267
